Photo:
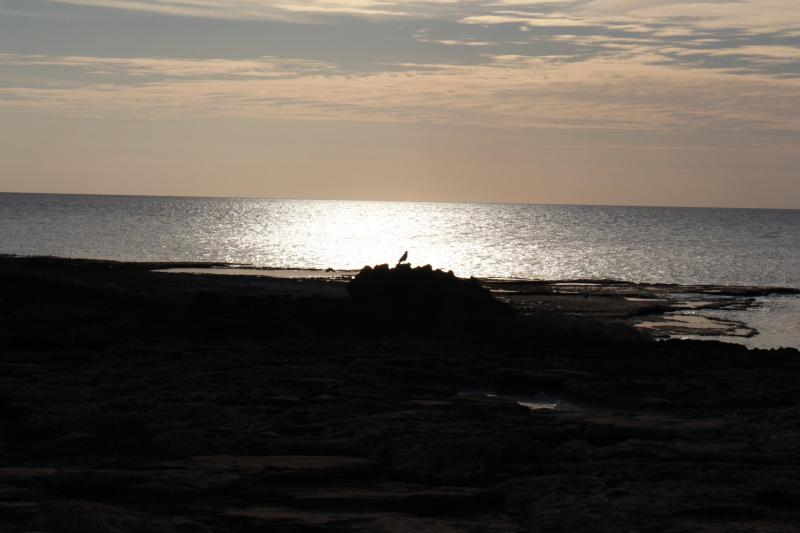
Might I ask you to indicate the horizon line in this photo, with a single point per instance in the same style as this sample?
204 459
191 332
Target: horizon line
554 204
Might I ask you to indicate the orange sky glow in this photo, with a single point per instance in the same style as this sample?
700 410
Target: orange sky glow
645 102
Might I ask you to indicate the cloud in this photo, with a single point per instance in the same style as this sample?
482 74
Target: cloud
614 64
527 19
678 15
764 52
746 15
292 11
264 67
707 27
507 92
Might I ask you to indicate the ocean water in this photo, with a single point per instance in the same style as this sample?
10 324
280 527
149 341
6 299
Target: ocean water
670 245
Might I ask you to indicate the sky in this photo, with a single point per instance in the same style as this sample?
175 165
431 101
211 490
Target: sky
614 102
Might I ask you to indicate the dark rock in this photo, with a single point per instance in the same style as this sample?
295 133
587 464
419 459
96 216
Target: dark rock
423 298
127 403
178 441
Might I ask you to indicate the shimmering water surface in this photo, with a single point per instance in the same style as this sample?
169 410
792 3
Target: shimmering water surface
674 245
678 245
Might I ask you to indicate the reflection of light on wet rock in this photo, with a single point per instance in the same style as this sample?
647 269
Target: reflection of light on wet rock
538 405
700 304
540 401
284 273
757 317
674 324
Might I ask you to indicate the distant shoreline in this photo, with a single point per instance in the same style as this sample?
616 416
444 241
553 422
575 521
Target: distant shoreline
652 309
225 268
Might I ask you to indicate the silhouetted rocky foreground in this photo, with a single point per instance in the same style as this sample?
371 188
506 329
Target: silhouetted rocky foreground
423 300
152 402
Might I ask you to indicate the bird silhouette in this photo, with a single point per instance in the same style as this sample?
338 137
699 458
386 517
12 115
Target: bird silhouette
403 257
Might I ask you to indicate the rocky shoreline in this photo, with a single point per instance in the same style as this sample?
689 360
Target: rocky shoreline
134 400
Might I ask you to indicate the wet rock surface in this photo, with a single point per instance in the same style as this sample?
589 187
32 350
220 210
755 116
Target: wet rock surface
138 401
656 310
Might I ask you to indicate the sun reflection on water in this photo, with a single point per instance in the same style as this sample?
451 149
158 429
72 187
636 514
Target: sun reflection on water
354 234
668 245
488 240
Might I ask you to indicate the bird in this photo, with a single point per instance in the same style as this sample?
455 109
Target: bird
403 257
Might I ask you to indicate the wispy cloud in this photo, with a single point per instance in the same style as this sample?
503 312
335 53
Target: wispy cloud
172 68
251 9
748 15
614 64
507 92
713 27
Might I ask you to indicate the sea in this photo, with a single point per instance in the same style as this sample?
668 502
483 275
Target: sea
640 244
